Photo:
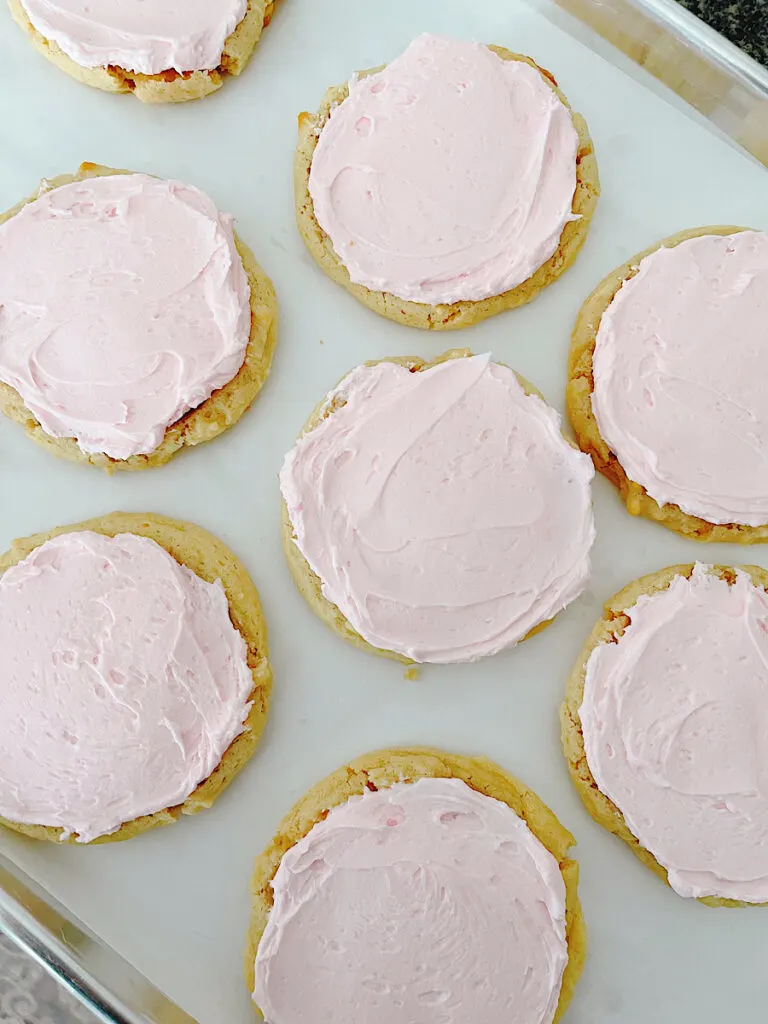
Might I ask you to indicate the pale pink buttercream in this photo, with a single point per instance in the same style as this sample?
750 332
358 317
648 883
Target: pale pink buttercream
675 722
424 902
136 35
123 304
680 365
443 511
449 175
123 683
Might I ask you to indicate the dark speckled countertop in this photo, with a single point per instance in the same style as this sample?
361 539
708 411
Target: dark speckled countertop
744 22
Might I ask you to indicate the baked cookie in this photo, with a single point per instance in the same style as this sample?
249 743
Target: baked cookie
433 512
162 55
491 879
136 687
664 728
119 350
415 183
665 383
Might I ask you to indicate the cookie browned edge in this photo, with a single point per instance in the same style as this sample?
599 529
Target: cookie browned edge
168 86
384 768
617 615
579 405
306 579
216 414
445 316
211 560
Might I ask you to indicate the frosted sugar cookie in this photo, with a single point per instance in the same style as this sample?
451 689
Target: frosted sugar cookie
450 185
416 885
665 390
434 512
135 677
665 728
161 52
133 321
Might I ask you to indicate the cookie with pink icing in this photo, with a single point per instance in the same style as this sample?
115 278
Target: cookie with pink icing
435 512
665 391
452 184
665 728
416 885
135 677
133 321
162 53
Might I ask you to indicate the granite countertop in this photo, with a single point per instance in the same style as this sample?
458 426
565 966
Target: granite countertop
744 22
28 995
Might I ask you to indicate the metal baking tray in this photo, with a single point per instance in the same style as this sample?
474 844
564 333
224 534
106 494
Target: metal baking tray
153 929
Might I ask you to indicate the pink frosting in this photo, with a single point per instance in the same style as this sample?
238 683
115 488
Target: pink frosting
680 366
443 510
424 902
136 35
675 721
123 304
448 175
124 681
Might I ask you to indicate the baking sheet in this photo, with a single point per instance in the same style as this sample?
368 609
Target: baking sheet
175 901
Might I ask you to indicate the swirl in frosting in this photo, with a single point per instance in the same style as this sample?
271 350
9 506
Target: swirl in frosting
679 367
443 510
123 304
423 902
145 38
447 176
675 724
124 682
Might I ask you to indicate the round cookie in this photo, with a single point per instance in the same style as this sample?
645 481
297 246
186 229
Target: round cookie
211 560
579 394
383 769
209 419
617 616
168 86
310 584
457 314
